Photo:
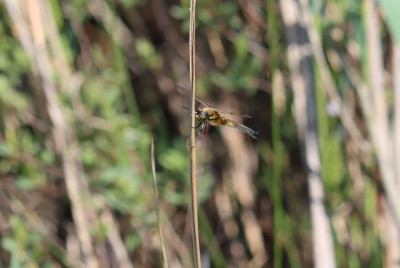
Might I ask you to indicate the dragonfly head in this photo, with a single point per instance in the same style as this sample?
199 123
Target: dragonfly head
200 115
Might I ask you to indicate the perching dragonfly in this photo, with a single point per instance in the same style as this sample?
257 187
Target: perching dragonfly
207 115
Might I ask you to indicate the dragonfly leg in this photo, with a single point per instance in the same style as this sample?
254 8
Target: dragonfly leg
202 127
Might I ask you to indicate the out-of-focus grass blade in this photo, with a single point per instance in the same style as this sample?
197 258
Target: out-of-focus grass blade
392 10
160 230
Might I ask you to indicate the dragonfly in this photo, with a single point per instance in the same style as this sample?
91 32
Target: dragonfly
210 116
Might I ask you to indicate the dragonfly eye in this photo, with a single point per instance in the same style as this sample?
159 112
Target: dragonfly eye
200 115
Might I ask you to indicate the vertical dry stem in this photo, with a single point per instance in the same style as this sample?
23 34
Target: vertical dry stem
396 126
327 80
378 121
302 80
195 226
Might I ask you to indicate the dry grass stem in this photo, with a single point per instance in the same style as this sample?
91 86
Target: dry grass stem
396 124
156 203
241 172
378 122
113 235
327 80
192 65
302 80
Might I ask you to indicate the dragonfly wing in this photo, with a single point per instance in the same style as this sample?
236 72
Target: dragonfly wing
236 114
206 104
252 133
187 92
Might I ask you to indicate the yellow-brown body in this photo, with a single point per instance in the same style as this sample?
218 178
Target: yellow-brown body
215 118
211 116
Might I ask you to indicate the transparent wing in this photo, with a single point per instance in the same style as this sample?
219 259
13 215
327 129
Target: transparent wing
236 114
187 92
252 133
206 104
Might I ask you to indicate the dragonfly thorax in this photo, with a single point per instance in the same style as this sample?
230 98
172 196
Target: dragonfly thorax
206 113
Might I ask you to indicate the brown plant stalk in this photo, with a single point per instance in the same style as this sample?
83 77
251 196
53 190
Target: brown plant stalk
192 57
160 229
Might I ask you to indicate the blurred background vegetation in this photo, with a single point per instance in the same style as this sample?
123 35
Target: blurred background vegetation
86 84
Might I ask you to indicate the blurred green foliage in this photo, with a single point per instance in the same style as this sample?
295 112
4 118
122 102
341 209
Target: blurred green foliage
124 98
24 246
391 10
